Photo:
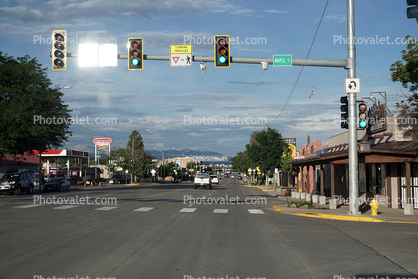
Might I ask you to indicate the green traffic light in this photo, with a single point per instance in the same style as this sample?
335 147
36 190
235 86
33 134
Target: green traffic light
222 59
135 61
362 124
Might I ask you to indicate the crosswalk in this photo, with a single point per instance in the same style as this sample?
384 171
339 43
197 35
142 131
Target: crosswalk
140 209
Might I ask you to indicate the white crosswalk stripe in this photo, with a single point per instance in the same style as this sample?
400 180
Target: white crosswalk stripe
220 211
188 210
105 208
65 207
28 206
256 211
144 209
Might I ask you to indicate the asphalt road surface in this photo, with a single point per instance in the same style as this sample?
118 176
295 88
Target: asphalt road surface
175 231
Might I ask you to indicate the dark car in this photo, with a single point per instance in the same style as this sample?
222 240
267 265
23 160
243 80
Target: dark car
57 184
16 183
117 178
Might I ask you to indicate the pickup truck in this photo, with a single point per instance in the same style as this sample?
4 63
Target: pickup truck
202 180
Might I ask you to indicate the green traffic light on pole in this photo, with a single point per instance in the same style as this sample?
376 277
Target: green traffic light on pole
363 120
135 53
222 51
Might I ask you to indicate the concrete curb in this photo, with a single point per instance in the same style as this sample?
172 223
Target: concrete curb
339 217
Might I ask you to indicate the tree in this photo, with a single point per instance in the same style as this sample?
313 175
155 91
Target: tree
33 115
266 150
191 166
406 71
242 162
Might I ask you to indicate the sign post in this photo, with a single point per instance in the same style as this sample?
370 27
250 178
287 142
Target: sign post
98 146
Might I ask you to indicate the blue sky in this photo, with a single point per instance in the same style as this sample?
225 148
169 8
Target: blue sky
160 98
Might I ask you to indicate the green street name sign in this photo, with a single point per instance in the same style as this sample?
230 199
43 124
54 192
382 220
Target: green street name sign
282 60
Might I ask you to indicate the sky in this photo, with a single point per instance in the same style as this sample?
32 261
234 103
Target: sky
217 109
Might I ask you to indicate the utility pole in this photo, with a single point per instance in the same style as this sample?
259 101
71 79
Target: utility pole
352 113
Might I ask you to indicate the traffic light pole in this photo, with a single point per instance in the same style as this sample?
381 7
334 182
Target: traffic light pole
348 64
246 60
352 114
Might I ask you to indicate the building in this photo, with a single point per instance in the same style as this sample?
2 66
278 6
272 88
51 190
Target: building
388 172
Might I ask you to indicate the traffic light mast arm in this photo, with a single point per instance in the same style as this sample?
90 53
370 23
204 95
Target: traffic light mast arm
245 60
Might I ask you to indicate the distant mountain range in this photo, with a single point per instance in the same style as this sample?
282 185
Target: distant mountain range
182 153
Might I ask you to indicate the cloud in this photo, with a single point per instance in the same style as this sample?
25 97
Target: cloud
334 18
276 12
65 11
195 134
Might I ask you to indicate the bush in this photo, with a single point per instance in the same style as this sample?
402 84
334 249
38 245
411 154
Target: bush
300 202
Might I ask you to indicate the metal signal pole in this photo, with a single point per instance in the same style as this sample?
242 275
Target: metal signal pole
352 114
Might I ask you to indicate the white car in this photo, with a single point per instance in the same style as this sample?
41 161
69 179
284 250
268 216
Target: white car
214 179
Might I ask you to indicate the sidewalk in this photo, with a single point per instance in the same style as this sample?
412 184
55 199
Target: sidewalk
385 214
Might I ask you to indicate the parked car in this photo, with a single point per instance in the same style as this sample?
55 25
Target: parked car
16 183
117 178
214 179
57 184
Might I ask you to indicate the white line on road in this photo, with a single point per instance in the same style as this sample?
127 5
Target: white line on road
256 211
106 208
188 210
144 209
65 207
28 206
220 211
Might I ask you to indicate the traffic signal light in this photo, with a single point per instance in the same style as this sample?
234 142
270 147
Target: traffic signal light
135 54
344 112
363 119
412 12
222 47
59 50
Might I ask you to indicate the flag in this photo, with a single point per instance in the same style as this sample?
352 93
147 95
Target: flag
311 94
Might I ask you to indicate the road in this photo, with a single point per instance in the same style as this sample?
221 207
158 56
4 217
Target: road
175 231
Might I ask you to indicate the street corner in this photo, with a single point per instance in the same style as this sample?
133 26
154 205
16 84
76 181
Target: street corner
276 208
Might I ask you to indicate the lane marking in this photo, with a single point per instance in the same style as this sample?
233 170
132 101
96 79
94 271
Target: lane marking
106 208
220 211
151 196
144 209
188 210
28 206
256 211
65 207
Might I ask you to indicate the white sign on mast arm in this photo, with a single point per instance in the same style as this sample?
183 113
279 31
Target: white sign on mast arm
181 55
352 85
